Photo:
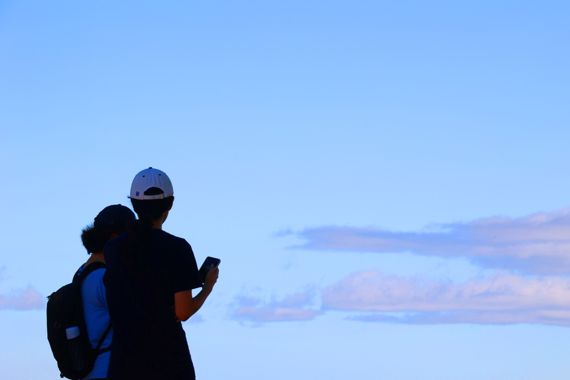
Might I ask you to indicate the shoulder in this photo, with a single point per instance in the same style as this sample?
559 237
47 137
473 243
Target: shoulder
172 240
86 270
95 275
93 283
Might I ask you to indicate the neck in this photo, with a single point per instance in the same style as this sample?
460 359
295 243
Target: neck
157 224
96 257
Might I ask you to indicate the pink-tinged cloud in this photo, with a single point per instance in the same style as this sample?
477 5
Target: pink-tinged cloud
25 299
502 299
538 244
295 307
459 317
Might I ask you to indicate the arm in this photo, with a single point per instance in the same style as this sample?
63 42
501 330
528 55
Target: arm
186 305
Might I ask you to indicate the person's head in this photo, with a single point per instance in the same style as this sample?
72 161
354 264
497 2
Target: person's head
109 223
152 195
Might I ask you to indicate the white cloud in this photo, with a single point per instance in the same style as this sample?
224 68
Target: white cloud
376 297
294 307
538 243
24 299
532 284
494 318
502 299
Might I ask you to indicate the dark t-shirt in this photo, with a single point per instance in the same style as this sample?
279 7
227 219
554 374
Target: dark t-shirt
148 341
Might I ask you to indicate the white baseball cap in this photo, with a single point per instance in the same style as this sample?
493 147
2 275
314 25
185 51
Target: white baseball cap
151 179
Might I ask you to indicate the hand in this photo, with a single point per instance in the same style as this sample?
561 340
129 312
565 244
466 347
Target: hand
211 278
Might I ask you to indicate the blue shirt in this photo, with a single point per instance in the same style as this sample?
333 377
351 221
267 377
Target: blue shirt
97 319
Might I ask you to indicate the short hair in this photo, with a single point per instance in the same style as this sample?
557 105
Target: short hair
151 210
94 239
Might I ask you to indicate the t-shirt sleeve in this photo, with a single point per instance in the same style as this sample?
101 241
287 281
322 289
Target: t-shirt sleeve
185 274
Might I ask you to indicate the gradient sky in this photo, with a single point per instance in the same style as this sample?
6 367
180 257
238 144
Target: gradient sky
386 182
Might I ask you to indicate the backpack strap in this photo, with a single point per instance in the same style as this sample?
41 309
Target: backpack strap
98 349
81 274
78 279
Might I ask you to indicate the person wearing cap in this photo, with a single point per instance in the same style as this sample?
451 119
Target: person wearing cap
109 223
150 278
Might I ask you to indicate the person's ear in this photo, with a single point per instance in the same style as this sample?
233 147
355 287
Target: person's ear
165 215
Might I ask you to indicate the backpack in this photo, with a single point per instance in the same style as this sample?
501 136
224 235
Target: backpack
67 331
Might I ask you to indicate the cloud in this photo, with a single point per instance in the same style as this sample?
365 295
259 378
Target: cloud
530 257
372 296
536 244
501 299
294 307
489 318
24 299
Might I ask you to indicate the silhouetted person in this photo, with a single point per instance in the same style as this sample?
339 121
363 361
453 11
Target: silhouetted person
150 275
109 223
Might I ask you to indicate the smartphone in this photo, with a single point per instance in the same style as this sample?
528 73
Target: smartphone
209 263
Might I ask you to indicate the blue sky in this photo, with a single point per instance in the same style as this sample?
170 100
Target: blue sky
385 182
